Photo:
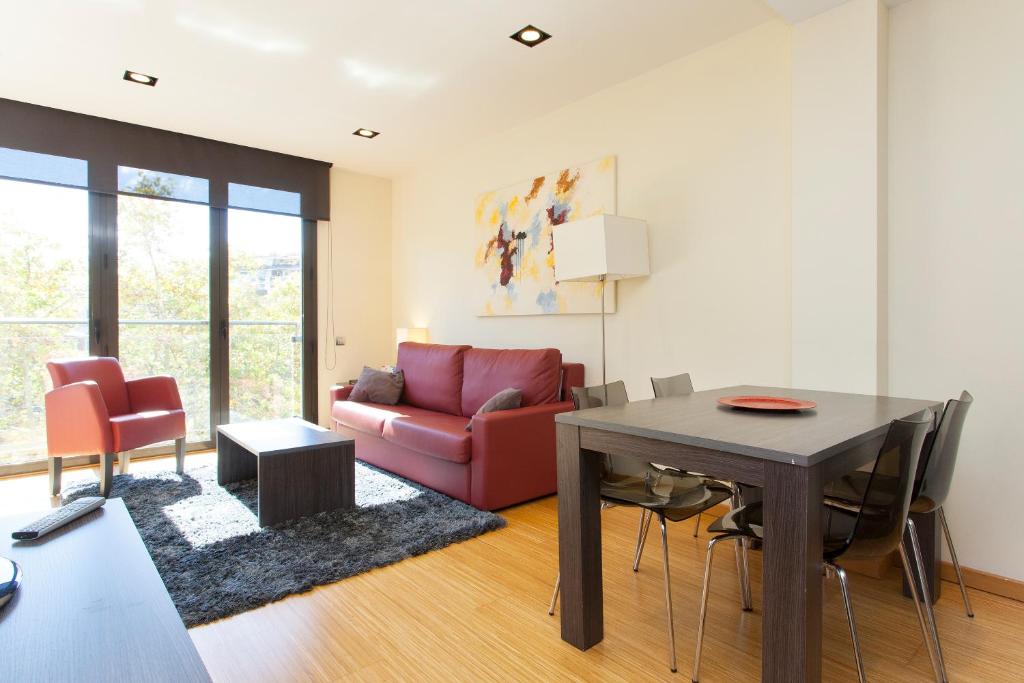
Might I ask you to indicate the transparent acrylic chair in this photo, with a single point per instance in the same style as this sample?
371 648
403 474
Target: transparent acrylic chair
865 531
666 493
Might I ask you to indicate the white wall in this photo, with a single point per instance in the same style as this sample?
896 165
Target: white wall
957 249
838 198
361 227
703 148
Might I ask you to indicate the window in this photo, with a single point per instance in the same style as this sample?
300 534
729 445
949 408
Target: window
44 303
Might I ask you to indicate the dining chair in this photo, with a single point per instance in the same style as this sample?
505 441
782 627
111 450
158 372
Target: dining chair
871 530
682 385
670 494
931 486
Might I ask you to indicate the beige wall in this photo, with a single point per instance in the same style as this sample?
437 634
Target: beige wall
957 248
361 227
703 147
839 197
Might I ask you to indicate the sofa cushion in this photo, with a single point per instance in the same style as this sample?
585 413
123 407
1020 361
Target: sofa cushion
433 376
506 399
378 386
145 428
365 417
435 434
535 372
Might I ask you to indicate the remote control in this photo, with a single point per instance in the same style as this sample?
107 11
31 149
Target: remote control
58 518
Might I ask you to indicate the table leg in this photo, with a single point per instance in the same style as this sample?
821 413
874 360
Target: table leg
929 532
579 540
234 463
791 622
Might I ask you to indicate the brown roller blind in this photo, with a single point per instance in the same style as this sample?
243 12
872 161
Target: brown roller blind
106 144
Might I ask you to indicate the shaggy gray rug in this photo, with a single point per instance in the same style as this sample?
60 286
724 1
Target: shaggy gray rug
216 560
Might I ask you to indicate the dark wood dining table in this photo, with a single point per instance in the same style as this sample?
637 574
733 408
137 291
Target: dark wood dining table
789 455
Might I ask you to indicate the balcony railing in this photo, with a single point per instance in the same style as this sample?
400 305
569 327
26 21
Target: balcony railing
265 362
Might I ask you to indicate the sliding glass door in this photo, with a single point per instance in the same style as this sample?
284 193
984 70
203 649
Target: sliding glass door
44 304
163 275
221 299
265 315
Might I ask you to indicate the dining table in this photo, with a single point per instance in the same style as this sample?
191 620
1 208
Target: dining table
788 454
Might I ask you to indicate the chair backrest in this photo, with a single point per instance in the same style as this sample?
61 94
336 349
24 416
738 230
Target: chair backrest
612 394
677 385
939 462
879 526
103 370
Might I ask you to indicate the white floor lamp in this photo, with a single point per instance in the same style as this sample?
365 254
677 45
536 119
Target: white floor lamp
600 249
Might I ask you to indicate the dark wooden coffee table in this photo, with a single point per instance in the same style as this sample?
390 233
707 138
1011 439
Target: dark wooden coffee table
300 468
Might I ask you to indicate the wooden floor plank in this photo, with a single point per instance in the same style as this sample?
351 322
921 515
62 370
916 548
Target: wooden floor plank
478 611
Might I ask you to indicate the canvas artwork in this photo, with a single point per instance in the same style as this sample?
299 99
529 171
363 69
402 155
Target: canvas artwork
515 257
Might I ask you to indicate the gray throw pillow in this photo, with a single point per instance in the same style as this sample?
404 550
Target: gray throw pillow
378 386
506 399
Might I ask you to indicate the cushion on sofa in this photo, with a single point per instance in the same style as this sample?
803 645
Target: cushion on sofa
378 386
433 376
435 434
535 372
506 399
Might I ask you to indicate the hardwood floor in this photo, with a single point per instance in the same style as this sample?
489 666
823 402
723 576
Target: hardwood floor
478 611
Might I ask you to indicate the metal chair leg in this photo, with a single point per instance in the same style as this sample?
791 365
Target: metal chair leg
844 586
915 594
956 562
106 473
641 537
926 595
743 573
696 527
704 604
668 596
554 594
179 456
55 466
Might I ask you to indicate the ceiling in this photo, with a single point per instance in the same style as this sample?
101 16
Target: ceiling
265 73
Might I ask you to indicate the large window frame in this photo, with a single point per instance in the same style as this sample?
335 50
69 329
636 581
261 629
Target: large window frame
106 145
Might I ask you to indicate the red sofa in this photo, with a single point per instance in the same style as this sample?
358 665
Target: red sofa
508 457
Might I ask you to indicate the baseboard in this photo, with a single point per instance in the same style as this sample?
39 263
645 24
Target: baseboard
983 581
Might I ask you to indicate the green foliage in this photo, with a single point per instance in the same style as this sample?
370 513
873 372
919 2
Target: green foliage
163 274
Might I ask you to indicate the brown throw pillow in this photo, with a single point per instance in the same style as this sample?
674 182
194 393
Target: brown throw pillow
506 399
378 386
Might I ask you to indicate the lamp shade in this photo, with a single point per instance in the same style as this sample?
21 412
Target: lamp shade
601 247
412 334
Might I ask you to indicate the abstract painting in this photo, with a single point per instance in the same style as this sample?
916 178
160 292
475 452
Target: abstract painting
515 255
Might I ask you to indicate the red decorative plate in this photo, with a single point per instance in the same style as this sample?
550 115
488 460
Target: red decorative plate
766 403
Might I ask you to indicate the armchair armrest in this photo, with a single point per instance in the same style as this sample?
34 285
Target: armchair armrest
159 392
77 421
340 392
514 455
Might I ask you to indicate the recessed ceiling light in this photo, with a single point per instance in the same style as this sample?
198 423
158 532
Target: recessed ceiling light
365 133
136 77
530 36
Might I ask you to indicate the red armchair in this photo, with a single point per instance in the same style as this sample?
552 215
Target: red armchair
93 410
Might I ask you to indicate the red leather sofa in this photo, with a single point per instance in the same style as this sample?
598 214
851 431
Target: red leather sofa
508 457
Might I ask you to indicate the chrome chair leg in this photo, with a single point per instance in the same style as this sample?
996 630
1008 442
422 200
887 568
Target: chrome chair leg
704 604
641 537
668 596
696 527
956 563
844 586
743 572
554 594
926 595
916 595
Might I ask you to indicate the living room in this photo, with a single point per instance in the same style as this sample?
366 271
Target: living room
367 329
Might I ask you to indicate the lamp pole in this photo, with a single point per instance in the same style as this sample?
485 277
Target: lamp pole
604 370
